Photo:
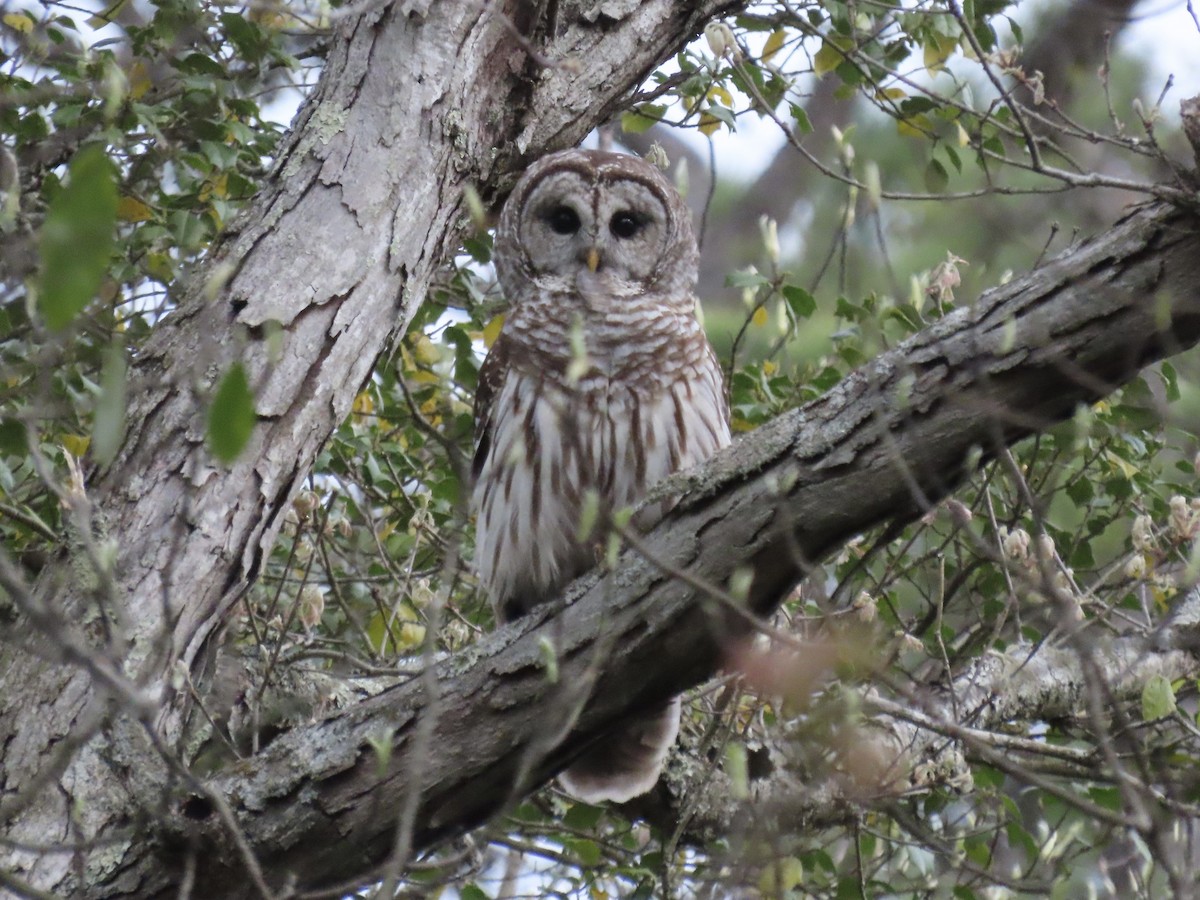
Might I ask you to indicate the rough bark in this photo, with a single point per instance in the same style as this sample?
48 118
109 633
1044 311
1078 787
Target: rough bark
417 101
881 447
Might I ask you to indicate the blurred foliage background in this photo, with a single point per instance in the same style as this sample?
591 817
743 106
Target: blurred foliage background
907 183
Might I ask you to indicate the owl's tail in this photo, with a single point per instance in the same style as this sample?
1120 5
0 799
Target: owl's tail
626 762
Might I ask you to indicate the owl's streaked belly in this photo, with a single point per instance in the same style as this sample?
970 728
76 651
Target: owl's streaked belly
551 445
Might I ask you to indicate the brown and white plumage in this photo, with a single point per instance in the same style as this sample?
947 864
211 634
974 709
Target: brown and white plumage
601 380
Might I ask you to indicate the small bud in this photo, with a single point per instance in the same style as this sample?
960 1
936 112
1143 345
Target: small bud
1046 549
1063 582
475 208
1143 534
865 608
1136 567
305 503
770 234
657 156
960 513
421 593
312 605
1016 544
909 641
874 186
681 178
1183 519
721 41
179 675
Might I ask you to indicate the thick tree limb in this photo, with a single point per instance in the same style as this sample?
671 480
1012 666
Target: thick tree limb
882 446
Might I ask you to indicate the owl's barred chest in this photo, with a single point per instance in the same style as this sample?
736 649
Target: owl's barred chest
613 428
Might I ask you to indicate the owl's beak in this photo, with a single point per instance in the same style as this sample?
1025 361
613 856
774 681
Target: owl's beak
593 260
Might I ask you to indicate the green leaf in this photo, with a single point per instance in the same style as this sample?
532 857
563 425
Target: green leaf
472 892
231 417
77 238
587 851
803 125
641 119
936 177
800 301
13 438
1171 380
108 427
583 816
1158 698
382 743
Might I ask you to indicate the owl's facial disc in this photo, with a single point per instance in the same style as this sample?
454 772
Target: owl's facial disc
596 235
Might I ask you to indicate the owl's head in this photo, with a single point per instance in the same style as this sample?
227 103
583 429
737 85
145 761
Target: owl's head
597 227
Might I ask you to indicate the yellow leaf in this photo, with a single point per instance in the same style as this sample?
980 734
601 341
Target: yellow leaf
158 265
708 124
917 126
721 94
769 368
773 44
737 423
221 186
892 93
106 16
760 316
421 376
76 444
411 635
937 50
424 350
364 404
781 876
1127 469
406 361
131 209
19 22
963 137
139 81
827 59
491 331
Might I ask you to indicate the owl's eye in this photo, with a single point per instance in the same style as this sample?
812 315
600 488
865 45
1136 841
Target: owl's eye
625 224
563 220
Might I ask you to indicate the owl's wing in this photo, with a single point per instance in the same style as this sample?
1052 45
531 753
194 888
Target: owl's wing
491 379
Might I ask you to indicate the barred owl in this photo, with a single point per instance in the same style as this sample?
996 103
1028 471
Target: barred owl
601 380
